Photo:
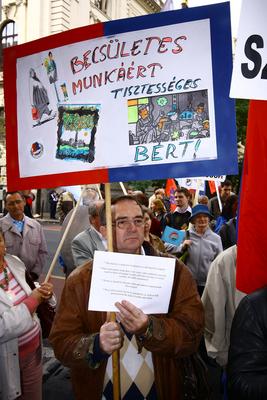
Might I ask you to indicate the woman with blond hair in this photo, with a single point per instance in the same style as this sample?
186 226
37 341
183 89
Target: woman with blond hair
159 211
154 240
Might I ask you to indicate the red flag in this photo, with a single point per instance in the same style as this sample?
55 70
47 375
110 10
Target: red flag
252 232
212 187
170 189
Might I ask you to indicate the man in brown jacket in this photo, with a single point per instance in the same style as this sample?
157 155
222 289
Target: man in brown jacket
151 345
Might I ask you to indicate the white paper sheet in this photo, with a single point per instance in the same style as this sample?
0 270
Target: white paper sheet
145 281
249 79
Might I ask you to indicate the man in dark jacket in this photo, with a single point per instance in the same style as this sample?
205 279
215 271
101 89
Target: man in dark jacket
247 360
179 218
228 233
53 199
226 191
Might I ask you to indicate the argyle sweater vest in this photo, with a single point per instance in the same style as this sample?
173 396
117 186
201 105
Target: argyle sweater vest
136 373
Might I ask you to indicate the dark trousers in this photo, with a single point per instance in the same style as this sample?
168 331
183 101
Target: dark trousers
53 208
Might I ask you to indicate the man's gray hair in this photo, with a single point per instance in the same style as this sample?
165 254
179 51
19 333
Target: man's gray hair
89 195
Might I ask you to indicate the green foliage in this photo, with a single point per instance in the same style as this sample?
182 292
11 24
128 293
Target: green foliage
241 127
76 122
144 185
2 126
241 119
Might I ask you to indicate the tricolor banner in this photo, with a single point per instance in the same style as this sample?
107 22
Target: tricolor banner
134 99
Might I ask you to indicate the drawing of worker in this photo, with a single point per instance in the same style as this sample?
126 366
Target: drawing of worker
205 130
173 125
167 126
39 100
64 91
51 68
199 116
145 126
162 120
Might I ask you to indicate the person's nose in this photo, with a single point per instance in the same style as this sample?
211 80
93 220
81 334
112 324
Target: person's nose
132 227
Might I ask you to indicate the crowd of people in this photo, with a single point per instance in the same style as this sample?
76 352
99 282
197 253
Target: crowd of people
204 313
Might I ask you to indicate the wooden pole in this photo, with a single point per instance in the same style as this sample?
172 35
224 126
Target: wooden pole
54 261
123 189
195 202
218 195
116 354
98 191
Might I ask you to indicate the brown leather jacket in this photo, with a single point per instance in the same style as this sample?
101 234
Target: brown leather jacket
175 334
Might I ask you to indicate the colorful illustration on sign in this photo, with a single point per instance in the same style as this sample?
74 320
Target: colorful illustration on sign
168 117
181 121
51 69
39 100
173 236
76 131
37 150
64 91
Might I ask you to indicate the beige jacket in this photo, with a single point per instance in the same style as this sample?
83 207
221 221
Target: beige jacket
220 299
30 247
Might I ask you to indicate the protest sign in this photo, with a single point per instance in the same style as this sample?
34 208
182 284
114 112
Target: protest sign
192 183
219 178
249 80
173 236
114 101
199 182
145 281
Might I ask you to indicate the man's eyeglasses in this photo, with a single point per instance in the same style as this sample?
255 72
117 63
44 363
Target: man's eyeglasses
126 223
13 203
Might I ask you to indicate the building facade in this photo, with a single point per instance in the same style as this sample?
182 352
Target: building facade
26 20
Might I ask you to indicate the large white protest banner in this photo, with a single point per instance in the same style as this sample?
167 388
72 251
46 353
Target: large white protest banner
249 80
116 101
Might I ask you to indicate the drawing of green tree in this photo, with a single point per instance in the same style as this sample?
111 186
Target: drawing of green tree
76 122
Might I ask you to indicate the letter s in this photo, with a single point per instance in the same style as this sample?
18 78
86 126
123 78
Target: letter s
253 56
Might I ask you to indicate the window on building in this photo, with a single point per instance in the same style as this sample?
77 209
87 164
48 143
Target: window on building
9 37
102 5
